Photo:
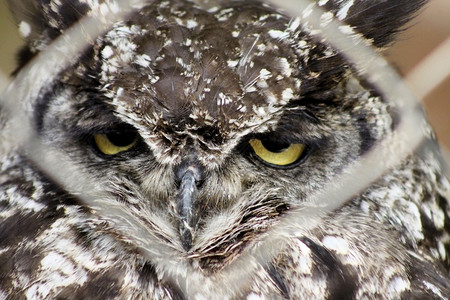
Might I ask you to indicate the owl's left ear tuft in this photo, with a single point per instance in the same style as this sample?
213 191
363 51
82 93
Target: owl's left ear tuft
41 21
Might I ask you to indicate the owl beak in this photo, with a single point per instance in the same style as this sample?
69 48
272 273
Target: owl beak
188 176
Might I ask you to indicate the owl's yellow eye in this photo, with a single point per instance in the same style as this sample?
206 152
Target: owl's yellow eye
116 142
278 155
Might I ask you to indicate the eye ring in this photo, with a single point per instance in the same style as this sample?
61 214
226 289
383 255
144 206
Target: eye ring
283 157
115 142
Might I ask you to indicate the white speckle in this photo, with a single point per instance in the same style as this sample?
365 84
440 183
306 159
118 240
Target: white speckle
302 44
222 99
262 84
305 261
235 34
213 9
253 296
191 24
121 39
336 243
250 89
278 34
294 24
263 18
25 29
304 265
441 250
32 292
365 206
434 289
55 261
107 52
434 213
322 2
224 15
259 110
23 202
143 60
284 66
180 61
3 250
54 6
261 47
232 63
342 13
154 79
287 94
265 74
271 99
326 18
167 42
410 218
396 286
346 29
242 109
328 52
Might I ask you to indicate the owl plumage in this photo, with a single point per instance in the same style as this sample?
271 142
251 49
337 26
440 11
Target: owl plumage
206 123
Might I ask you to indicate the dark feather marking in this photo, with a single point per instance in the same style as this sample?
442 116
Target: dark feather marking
341 283
69 12
102 285
24 56
148 274
174 291
367 140
278 280
23 260
27 224
13 231
422 271
19 226
43 104
445 206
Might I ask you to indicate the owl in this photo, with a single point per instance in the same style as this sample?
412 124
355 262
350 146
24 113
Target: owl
178 154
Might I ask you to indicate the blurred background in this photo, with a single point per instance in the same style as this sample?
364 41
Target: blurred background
425 33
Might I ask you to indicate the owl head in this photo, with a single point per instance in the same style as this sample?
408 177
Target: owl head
208 120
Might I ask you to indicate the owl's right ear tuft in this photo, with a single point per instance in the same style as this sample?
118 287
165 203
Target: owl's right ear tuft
377 20
41 21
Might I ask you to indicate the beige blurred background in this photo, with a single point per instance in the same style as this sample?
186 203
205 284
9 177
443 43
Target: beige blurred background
425 34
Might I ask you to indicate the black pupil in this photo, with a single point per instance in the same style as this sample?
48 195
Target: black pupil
276 147
121 138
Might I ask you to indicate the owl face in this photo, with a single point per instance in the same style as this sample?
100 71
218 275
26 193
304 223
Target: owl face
213 122
200 129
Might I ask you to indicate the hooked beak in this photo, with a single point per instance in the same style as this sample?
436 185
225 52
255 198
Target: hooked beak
189 177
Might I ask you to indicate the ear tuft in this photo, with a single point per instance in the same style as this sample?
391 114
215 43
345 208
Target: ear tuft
41 21
28 16
377 20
